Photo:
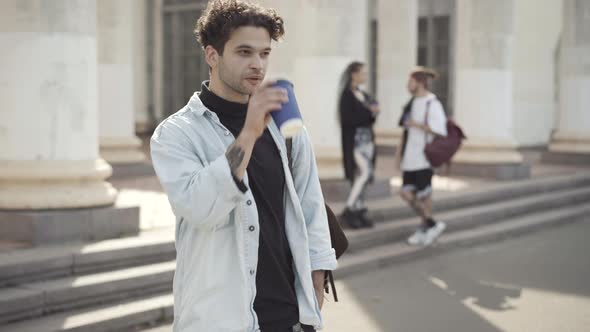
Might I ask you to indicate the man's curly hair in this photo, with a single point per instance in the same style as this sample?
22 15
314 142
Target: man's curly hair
222 17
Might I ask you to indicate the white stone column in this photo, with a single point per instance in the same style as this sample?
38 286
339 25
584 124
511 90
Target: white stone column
143 120
484 90
573 128
534 77
322 38
48 116
116 101
397 47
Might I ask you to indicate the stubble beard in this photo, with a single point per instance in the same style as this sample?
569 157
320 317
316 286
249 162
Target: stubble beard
234 83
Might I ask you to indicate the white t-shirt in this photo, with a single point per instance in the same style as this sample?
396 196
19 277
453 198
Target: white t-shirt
414 158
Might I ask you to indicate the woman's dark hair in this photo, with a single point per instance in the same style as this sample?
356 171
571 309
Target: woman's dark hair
346 78
345 81
222 17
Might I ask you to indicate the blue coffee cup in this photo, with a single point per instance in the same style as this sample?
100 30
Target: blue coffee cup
288 119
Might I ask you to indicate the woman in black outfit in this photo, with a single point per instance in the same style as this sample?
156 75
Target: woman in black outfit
358 112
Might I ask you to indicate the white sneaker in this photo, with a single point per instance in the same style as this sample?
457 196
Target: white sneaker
433 233
417 238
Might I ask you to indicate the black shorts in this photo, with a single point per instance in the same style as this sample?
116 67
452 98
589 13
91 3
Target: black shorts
418 182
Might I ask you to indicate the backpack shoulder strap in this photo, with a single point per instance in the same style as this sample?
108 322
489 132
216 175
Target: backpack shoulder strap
426 119
289 143
329 277
427 111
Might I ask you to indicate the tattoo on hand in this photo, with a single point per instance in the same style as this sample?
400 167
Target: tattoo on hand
235 156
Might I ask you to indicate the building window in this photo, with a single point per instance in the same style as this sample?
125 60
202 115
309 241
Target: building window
373 42
434 47
184 66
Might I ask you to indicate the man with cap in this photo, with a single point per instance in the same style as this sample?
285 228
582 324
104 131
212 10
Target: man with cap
423 119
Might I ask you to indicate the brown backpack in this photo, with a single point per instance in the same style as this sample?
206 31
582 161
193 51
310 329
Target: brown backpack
337 236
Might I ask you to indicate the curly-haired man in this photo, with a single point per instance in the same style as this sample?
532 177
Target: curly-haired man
252 244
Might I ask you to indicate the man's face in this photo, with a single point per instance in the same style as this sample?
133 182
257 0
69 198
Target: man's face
243 64
412 85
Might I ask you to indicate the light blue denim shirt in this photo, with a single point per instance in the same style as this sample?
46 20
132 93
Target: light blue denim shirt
217 224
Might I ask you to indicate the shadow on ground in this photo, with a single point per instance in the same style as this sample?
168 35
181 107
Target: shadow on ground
534 283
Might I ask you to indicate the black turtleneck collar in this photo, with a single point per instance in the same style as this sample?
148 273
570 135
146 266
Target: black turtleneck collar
223 108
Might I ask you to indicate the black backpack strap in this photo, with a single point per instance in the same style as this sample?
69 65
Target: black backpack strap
289 143
426 119
329 277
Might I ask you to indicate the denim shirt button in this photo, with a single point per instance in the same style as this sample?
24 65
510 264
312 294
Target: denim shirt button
251 228
252 272
226 133
249 202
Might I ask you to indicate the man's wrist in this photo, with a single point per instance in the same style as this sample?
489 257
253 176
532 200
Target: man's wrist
238 154
246 137
318 278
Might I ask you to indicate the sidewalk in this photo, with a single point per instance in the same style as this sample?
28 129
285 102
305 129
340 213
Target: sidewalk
535 283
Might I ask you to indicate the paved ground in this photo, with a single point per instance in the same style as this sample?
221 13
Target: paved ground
537 283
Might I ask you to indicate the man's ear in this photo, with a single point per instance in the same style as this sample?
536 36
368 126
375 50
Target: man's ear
211 56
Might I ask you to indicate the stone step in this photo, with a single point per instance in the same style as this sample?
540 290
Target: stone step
41 298
125 316
50 262
167 327
395 208
34 299
396 252
6 245
132 315
70 293
396 230
337 190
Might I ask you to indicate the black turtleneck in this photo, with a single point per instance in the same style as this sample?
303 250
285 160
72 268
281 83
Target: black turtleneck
275 303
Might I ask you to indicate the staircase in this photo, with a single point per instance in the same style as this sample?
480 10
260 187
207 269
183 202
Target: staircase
125 284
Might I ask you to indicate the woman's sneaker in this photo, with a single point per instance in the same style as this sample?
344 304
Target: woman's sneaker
350 219
433 233
417 238
364 219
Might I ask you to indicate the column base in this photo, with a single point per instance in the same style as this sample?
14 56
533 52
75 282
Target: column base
568 151
121 150
566 158
387 140
492 161
144 128
329 162
387 137
36 185
338 190
126 171
58 226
